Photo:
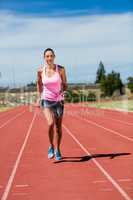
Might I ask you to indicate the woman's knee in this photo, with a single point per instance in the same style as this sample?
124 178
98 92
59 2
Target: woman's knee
50 123
49 117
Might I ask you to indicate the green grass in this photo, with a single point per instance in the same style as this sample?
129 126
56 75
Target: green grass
125 105
4 108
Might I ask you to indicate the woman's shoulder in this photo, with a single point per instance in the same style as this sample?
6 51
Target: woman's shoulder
40 69
62 71
61 66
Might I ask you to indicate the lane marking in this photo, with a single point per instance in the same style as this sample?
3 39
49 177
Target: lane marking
111 110
124 180
106 174
97 110
9 111
13 173
118 111
10 120
92 148
107 129
99 181
25 185
127 123
19 193
107 190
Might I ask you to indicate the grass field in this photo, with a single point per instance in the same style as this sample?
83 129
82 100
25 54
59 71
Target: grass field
4 108
125 105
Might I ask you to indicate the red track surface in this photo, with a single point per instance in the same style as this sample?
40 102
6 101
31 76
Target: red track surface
97 147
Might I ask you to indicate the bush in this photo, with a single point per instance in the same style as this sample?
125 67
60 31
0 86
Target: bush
130 83
91 97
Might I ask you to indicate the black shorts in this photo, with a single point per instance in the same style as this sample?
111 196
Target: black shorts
56 106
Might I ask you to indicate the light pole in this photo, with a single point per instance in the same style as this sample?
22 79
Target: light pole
13 76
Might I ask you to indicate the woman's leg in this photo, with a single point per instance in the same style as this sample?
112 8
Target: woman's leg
58 123
50 120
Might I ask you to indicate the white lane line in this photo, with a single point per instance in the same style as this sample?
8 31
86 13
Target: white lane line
24 185
97 110
99 181
5 114
9 111
125 180
118 111
11 178
91 148
19 193
107 129
107 175
10 120
107 190
123 122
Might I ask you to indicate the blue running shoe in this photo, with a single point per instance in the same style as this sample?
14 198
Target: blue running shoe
57 154
51 152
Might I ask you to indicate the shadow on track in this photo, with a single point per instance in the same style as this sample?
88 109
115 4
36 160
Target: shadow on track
87 158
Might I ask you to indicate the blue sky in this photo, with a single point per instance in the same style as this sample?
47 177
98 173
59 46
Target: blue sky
48 7
82 33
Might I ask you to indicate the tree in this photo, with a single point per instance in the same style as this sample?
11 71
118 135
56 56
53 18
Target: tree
31 84
130 83
100 73
111 83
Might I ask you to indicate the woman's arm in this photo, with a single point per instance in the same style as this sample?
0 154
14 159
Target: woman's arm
39 84
39 80
38 93
64 79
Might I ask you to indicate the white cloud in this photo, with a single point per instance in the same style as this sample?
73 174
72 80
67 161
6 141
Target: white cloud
80 42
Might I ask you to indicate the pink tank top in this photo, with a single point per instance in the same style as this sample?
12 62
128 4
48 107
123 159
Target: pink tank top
52 90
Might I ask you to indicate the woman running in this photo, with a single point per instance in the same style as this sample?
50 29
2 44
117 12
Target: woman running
51 87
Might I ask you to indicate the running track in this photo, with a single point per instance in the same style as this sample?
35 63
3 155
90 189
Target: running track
97 146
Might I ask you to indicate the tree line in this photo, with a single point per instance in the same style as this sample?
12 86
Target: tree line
111 82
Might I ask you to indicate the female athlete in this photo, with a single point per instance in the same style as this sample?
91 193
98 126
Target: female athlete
51 87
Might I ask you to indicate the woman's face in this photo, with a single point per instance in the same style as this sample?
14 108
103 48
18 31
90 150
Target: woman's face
49 57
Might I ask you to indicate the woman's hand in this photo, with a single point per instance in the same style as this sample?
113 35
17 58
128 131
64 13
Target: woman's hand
37 104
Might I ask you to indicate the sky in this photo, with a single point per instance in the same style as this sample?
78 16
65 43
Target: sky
82 33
